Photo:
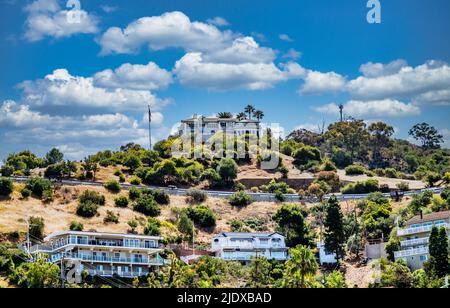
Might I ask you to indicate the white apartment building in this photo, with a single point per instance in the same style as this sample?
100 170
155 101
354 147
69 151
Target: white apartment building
104 254
209 126
245 246
414 238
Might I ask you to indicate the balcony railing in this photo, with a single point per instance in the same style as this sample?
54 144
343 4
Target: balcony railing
415 242
102 259
116 273
82 242
424 229
411 252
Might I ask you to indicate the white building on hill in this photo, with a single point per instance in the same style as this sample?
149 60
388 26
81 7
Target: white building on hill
245 246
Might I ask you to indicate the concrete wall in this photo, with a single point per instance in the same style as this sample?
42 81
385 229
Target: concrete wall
376 251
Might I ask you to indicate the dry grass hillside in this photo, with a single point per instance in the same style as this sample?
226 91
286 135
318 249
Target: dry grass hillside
15 212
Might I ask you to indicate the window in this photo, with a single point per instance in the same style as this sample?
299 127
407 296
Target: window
423 258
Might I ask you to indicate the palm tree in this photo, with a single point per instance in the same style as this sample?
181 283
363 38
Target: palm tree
224 115
241 116
249 109
303 264
259 115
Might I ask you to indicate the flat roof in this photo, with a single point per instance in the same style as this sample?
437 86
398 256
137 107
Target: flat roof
247 235
102 234
428 217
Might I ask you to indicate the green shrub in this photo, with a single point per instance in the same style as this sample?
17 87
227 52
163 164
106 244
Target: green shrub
153 227
236 226
328 165
111 218
39 185
202 215
445 194
355 170
25 192
279 196
76 226
134 193
118 172
47 196
135 181
306 154
284 171
366 187
6 187
274 186
87 209
391 173
7 170
241 198
122 178
403 186
341 158
92 196
147 206
121 201
160 196
113 186
196 196
36 227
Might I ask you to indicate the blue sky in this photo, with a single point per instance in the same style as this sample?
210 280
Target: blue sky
85 86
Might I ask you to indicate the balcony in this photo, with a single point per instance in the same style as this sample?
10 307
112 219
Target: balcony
158 261
411 252
424 229
415 242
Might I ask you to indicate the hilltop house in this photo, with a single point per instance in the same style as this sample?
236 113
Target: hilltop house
414 238
104 254
245 246
209 126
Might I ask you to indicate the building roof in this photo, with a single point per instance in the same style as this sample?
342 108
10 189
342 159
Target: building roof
428 217
102 234
247 235
215 119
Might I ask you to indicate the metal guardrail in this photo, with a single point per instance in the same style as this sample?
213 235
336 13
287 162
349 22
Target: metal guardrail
259 197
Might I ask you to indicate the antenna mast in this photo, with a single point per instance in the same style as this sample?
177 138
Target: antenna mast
150 127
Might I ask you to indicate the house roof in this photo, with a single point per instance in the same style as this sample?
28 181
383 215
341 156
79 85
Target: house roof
102 234
215 119
247 235
428 217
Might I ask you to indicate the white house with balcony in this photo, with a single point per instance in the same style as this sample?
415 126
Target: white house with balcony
209 126
245 246
414 238
103 254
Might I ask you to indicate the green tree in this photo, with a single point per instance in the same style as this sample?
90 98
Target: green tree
380 137
427 135
351 135
133 162
336 281
227 170
334 228
301 266
292 224
37 275
6 187
186 226
54 156
153 227
36 227
438 264
249 110
259 115
260 273
224 115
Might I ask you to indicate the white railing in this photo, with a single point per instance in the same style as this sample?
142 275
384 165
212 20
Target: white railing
423 229
90 258
415 242
116 273
83 242
411 252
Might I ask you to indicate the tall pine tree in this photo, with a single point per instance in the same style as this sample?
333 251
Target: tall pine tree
438 263
334 228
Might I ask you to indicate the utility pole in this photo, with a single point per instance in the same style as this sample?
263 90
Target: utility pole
63 278
150 127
